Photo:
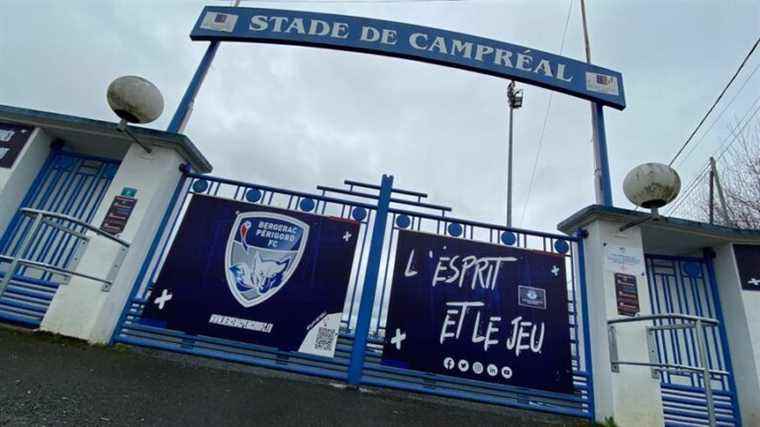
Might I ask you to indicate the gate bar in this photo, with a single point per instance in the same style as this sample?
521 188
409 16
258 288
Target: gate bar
376 196
377 187
581 261
367 301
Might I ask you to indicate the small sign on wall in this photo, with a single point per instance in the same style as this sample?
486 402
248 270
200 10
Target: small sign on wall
748 263
626 294
118 214
12 140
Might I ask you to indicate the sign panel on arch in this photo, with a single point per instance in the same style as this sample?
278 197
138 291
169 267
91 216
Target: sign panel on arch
479 311
433 45
256 274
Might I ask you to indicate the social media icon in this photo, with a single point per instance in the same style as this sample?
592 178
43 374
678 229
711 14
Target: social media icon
448 363
463 365
506 372
492 370
477 367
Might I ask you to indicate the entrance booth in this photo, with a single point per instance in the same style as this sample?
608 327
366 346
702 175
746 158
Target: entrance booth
669 308
79 202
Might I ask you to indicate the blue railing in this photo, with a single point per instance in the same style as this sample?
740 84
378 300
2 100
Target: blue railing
381 211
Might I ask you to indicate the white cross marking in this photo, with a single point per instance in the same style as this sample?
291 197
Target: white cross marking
163 299
396 340
347 236
555 271
754 281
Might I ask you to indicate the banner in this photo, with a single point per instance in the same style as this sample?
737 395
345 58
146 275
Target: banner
479 311
433 45
748 263
256 274
12 140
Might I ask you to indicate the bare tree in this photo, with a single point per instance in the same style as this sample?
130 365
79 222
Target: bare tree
739 174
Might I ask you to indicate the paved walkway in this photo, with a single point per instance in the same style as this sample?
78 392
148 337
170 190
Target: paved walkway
46 380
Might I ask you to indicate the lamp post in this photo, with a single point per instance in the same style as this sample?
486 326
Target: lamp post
515 100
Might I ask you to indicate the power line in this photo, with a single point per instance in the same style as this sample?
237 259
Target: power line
717 119
694 183
746 58
546 119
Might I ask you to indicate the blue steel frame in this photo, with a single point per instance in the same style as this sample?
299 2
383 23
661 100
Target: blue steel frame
687 285
580 235
359 348
357 360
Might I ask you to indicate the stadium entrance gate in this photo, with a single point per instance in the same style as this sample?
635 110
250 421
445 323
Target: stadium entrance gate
686 286
382 213
43 240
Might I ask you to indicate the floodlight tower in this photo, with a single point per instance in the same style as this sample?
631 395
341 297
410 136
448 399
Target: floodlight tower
515 100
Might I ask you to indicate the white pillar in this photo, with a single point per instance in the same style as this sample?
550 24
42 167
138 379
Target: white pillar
741 316
81 309
631 395
15 182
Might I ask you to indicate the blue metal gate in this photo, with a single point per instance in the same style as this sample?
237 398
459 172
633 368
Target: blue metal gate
359 349
69 184
686 285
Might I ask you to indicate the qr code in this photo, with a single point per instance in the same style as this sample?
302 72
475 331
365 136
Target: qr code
325 339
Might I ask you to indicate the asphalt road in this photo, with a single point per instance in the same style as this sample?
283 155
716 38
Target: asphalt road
47 380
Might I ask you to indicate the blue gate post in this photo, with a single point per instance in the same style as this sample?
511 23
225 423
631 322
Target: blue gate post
370 282
582 234
709 255
603 161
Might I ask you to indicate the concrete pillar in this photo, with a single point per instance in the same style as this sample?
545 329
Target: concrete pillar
81 309
741 316
631 395
15 182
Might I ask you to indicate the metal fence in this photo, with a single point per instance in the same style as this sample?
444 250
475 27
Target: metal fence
359 349
686 286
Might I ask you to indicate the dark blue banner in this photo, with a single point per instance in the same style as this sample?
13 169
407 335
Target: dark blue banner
414 42
748 263
479 311
256 274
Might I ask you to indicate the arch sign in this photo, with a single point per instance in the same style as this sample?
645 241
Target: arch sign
414 42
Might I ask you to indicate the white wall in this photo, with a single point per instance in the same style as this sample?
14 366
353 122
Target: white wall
15 182
80 309
741 315
631 396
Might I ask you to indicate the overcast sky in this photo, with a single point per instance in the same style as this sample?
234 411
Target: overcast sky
296 117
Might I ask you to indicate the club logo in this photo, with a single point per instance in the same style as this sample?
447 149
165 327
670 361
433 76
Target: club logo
263 251
532 297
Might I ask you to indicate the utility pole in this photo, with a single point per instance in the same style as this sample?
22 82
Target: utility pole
721 197
712 193
515 100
